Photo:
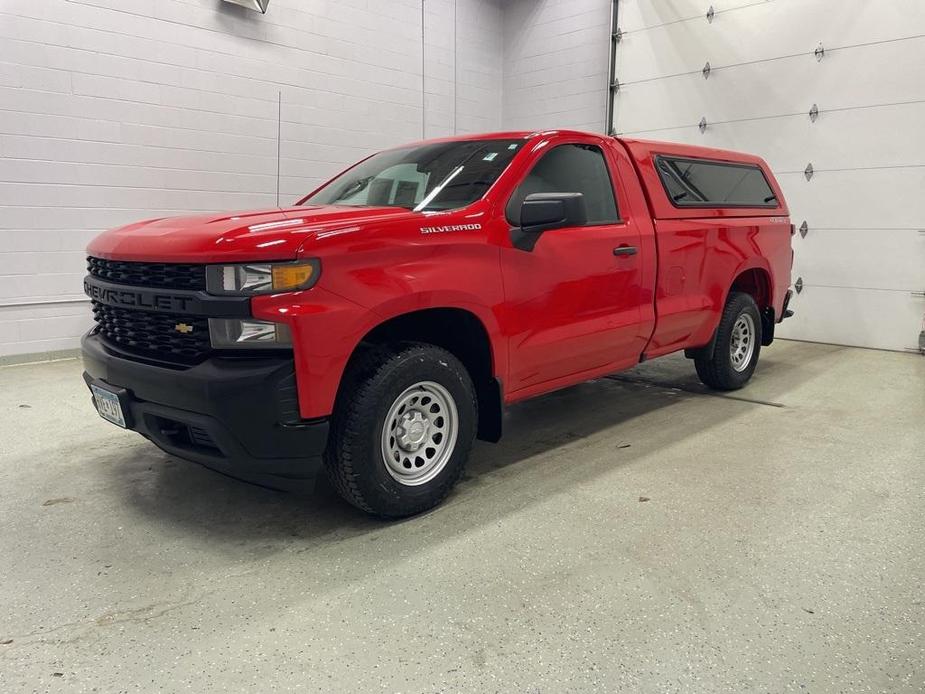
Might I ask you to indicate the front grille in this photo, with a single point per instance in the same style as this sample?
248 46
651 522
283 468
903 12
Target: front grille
169 337
160 275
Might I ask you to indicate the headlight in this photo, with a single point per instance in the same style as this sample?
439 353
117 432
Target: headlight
248 333
262 278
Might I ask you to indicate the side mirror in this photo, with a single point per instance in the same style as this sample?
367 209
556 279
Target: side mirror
544 211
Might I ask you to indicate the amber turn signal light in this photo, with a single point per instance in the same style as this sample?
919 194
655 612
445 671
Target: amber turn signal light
292 276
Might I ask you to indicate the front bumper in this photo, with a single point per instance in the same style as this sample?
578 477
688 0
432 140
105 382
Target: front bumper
237 416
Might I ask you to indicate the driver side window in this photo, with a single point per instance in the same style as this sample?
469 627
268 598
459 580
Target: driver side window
570 168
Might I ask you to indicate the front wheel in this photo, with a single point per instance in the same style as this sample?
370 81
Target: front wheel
402 429
738 342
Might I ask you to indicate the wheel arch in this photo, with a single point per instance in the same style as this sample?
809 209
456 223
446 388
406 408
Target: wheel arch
757 282
461 332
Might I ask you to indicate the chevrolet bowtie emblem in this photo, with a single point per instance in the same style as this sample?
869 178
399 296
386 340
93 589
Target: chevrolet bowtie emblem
183 328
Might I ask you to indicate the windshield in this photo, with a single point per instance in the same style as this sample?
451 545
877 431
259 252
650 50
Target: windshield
437 176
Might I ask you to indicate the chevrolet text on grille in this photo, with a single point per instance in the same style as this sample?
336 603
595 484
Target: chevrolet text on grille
137 299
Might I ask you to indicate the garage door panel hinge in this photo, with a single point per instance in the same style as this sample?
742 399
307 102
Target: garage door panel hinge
258 5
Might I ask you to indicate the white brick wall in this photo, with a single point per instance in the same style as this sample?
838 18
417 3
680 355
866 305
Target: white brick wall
556 64
463 46
117 110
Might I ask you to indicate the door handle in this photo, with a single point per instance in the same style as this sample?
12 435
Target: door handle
624 250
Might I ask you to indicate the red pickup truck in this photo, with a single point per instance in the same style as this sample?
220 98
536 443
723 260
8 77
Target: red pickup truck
385 320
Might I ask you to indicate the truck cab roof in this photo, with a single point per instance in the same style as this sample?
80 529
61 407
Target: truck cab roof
669 172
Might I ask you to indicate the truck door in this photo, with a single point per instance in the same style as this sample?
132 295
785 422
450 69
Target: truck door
574 300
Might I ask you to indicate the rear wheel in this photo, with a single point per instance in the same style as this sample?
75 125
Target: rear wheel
738 343
402 429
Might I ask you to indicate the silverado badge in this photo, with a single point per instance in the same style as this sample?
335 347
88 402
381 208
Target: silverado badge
183 328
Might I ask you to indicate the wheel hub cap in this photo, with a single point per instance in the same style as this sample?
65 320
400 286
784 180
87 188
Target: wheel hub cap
419 433
412 431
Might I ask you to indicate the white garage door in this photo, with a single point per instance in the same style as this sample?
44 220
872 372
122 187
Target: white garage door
861 262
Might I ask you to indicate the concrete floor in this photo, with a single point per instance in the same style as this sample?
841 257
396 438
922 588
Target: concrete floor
631 534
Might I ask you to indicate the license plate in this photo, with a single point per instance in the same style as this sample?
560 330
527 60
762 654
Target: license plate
108 405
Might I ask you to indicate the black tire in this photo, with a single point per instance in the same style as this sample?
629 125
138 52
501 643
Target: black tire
719 372
354 458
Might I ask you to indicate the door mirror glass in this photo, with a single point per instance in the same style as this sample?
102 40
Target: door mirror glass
544 211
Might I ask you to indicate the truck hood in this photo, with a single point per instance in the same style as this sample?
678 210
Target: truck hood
275 234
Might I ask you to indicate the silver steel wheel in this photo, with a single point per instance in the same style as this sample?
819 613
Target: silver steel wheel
419 433
742 343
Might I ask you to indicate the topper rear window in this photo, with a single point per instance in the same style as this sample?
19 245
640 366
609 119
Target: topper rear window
706 183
